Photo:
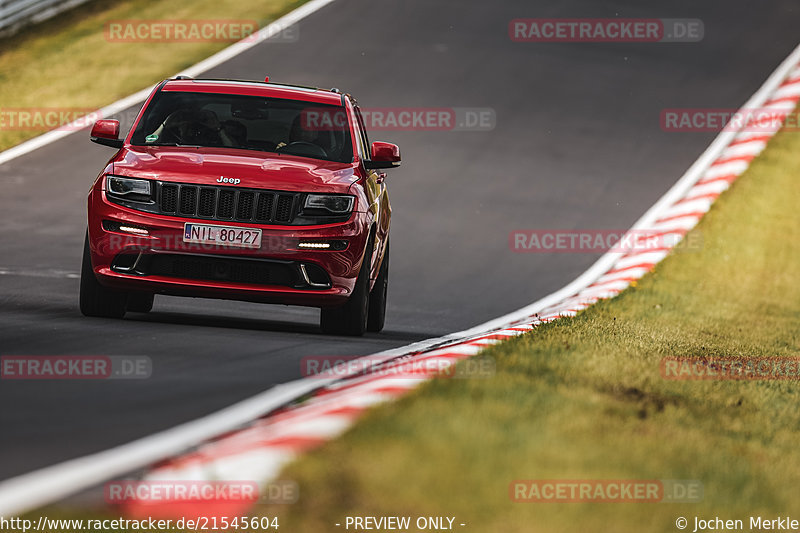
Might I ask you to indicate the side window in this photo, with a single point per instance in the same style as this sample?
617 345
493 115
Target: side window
362 133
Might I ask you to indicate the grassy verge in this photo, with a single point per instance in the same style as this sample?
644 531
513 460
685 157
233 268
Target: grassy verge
67 62
583 398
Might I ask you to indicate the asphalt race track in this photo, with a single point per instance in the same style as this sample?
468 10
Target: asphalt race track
577 145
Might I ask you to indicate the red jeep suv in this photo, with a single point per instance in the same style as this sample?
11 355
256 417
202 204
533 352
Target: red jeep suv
242 190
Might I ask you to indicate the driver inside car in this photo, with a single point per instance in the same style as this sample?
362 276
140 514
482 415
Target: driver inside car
299 134
192 126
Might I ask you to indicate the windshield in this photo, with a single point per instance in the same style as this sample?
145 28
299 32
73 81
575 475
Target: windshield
245 122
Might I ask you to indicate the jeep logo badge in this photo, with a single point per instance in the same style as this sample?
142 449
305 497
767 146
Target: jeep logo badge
233 181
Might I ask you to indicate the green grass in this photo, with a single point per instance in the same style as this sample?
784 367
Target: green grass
583 398
67 62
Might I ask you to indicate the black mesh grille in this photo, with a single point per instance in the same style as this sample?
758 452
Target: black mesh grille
244 208
223 269
227 203
283 213
188 200
264 208
169 198
207 203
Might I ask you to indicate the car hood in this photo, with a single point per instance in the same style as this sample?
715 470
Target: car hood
259 170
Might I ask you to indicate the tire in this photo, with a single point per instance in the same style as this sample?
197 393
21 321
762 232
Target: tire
351 318
376 316
140 302
96 300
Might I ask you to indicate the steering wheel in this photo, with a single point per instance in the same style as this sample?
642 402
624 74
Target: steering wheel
304 149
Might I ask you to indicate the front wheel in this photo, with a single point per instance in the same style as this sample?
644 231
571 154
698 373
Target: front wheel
96 300
376 316
351 318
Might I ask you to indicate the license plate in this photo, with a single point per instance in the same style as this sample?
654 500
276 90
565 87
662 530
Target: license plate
222 235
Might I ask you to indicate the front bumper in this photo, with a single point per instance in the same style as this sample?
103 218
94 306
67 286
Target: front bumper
278 272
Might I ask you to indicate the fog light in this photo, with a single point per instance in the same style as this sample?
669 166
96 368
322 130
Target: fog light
134 230
110 225
314 245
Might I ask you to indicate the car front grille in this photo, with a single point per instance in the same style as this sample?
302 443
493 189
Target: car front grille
227 203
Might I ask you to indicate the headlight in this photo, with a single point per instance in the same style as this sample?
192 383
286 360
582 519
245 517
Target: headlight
129 188
334 203
123 186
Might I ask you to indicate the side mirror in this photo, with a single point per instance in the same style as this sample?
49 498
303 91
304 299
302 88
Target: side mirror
106 132
384 155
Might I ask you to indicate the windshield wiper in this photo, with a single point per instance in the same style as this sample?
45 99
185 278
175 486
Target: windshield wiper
175 144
